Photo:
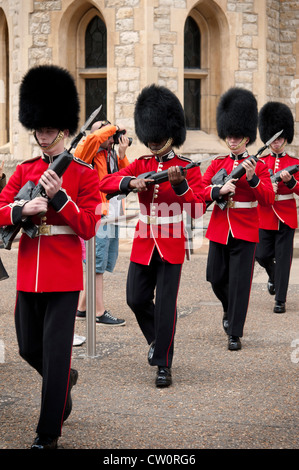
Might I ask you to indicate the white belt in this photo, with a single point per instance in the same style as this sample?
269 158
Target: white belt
153 220
283 197
241 204
50 230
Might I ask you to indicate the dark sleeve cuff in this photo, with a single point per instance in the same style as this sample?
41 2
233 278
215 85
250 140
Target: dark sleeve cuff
124 185
59 200
16 215
253 183
215 193
181 188
290 184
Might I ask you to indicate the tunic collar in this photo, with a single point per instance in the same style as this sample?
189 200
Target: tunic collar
239 157
166 157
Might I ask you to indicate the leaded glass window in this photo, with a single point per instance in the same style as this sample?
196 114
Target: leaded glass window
192 84
95 72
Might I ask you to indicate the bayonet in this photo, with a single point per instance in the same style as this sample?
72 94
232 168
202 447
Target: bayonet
81 134
274 138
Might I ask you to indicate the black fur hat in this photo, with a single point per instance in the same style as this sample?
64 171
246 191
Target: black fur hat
237 114
48 98
159 115
273 117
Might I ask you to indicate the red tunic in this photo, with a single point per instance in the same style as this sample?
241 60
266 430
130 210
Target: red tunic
54 263
161 200
242 223
284 210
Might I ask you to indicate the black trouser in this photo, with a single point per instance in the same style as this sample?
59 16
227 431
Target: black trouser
157 320
45 329
274 252
230 270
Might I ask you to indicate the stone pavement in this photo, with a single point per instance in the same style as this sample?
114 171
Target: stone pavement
219 399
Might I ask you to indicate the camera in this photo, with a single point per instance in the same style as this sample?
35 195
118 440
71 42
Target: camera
118 134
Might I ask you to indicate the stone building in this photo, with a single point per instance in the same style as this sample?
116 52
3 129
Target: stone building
113 48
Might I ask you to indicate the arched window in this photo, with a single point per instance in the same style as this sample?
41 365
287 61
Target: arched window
193 74
95 67
4 81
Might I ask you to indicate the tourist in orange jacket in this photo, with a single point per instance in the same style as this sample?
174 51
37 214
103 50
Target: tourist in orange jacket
278 221
98 150
234 231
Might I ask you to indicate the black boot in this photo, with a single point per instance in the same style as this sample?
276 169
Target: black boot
279 307
163 378
234 343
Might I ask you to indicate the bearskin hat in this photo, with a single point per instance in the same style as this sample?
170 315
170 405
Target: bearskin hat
273 117
48 98
237 114
159 115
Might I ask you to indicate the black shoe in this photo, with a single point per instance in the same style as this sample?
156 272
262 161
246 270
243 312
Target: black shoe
271 287
69 403
81 314
234 343
280 307
163 378
42 441
151 352
225 322
108 320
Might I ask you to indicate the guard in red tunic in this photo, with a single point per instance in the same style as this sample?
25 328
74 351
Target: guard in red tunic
233 228
278 221
49 275
158 249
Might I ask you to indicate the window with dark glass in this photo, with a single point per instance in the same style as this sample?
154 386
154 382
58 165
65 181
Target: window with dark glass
192 84
96 59
96 95
191 44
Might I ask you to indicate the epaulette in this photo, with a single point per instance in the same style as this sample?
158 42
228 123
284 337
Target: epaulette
145 157
81 162
219 157
29 160
186 159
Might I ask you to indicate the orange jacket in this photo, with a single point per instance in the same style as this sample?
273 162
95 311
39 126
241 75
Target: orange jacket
88 151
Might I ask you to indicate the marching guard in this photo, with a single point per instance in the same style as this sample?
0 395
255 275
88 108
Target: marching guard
50 274
158 249
234 226
278 221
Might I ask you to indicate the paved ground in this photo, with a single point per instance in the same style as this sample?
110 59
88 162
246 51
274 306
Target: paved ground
219 399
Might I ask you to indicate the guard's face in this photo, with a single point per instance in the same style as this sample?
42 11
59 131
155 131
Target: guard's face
156 146
237 144
278 145
46 135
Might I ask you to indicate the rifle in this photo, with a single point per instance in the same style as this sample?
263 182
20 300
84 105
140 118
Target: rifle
222 177
275 178
157 178
30 191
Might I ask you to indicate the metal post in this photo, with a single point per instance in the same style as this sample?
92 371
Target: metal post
90 298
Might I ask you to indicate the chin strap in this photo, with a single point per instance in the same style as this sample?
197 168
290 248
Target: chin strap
57 139
281 149
238 146
161 150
